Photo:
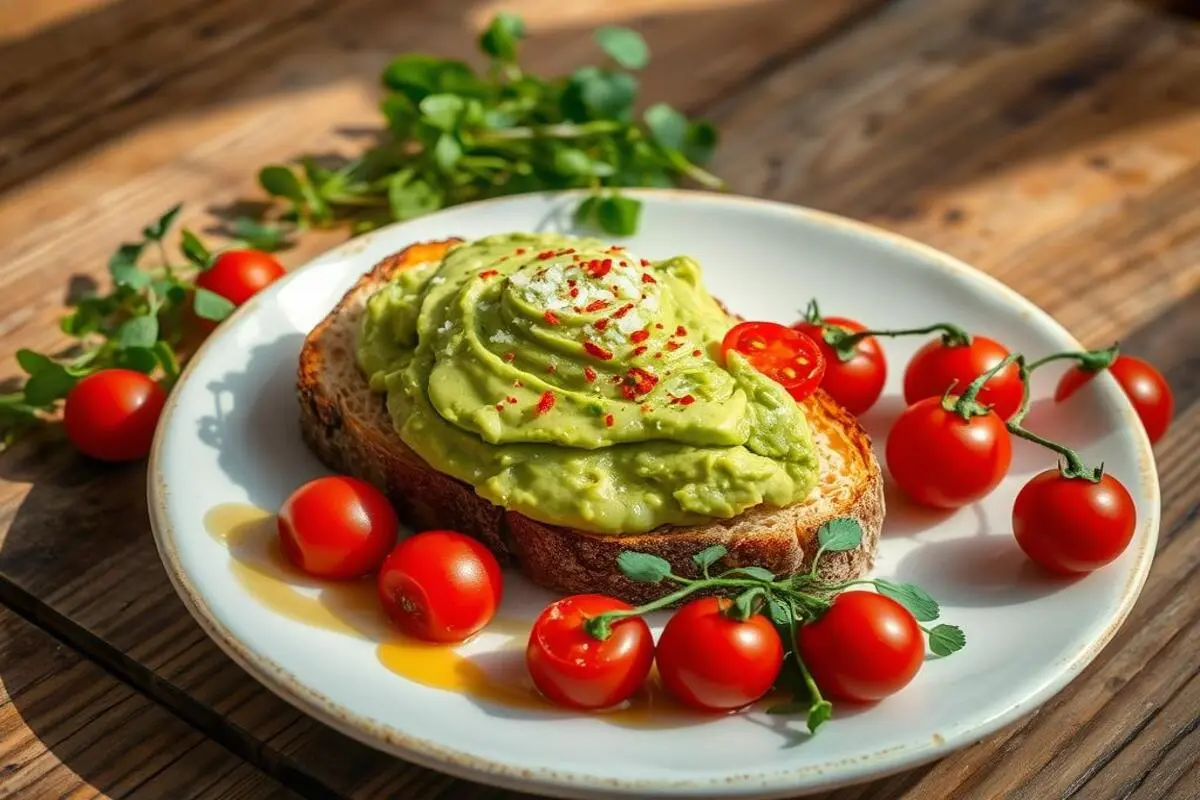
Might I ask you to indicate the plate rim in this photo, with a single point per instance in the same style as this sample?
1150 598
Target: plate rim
762 784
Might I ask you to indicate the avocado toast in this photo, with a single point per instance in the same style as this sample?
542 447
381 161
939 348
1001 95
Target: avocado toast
578 438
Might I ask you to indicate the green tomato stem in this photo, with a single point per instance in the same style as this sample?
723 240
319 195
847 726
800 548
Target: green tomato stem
1088 360
844 342
1073 465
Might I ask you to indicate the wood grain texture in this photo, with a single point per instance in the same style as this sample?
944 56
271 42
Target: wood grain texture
1055 145
68 729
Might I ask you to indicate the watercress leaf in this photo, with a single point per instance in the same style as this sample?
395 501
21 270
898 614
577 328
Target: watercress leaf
618 215
138 332
585 212
624 46
267 238
946 639
575 162
139 359
442 111
49 385
668 126
819 713
33 362
211 306
166 356
790 707
194 249
840 534
758 573
412 198
610 95
912 597
447 151
281 181
700 142
502 36
643 567
779 611
744 603
156 230
709 556
127 255
416 76
131 276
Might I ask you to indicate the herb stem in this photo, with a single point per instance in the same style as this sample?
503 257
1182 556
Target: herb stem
562 130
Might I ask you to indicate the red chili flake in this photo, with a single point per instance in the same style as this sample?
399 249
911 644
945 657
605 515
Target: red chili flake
608 420
622 311
658 355
552 368
589 374
574 291
606 265
571 281
520 251
695 353
510 400
673 345
510 356
546 254
638 382
577 258
601 324
639 336
499 406
637 351
658 325
488 273
686 400
681 331
545 402
616 248
597 351
617 379
648 278
566 252
551 318
596 305
645 262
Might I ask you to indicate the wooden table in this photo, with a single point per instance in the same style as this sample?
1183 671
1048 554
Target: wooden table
1055 145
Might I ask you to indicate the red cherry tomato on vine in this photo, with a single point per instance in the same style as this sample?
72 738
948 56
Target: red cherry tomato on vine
942 460
111 415
1145 386
237 275
858 382
783 354
714 662
440 586
864 648
937 366
571 667
337 527
1072 525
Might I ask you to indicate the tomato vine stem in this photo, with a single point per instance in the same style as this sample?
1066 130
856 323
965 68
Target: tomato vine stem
1088 360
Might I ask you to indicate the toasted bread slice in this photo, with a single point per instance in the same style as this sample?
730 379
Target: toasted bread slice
348 427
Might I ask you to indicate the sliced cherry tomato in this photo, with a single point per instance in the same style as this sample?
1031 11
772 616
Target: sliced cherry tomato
111 415
1145 386
1071 525
936 367
440 586
783 354
237 275
714 662
864 648
337 527
571 667
858 382
942 460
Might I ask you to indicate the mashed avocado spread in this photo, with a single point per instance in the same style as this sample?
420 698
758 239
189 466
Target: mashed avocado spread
581 386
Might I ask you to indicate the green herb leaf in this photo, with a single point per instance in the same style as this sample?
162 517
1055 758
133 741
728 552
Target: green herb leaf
571 161
946 639
194 249
779 611
168 359
410 199
267 238
609 95
819 713
123 266
643 567
281 181
669 127
48 385
211 306
158 229
709 556
138 332
33 362
447 152
700 142
624 46
618 215
442 111
744 603
501 38
585 212
417 76
139 359
912 597
840 534
756 572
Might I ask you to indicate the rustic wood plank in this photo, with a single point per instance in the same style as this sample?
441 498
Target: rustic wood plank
68 729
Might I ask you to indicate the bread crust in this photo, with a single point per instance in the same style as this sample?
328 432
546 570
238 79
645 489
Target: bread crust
347 427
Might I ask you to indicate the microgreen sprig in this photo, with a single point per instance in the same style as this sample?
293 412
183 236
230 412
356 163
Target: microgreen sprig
453 135
789 602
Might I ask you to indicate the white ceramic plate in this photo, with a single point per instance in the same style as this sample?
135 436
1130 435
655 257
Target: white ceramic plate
230 435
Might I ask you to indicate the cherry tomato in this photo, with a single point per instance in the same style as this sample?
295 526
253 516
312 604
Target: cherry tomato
440 586
942 460
714 662
571 667
856 383
337 527
936 367
237 275
1145 386
1071 525
111 415
784 355
864 648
